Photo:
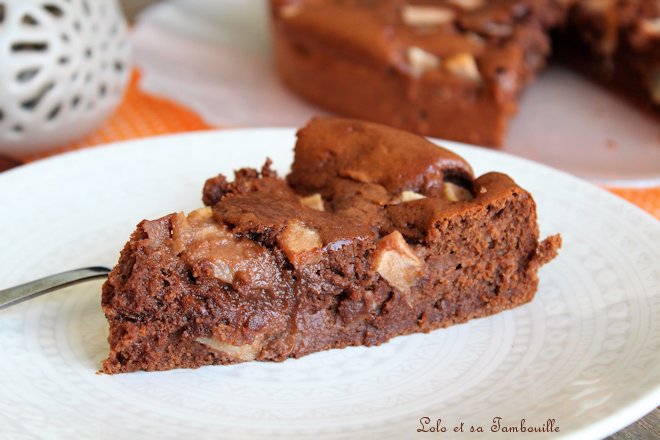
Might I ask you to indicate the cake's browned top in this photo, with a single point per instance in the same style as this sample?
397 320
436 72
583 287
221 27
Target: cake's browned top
369 153
354 180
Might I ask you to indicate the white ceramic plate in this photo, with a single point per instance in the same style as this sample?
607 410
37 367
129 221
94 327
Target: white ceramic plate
585 352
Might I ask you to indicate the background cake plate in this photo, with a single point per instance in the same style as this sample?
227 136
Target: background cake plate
584 353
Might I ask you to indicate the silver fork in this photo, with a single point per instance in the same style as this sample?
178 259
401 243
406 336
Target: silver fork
14 295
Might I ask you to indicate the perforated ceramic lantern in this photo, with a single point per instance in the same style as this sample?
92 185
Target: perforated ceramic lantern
64 65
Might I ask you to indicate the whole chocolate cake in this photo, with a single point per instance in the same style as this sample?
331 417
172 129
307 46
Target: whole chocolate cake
375 233
455 69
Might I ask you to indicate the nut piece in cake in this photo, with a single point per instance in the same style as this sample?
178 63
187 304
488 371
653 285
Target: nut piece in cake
456 193
246 352
299 242
651 27
200 215
210 248
290 10
315 201
467 5
396 262
463 65
409 196
421 61
417 15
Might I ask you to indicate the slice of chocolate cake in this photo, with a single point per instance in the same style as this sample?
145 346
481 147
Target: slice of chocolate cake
375 233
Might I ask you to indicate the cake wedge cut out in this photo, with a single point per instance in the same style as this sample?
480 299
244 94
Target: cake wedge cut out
375 233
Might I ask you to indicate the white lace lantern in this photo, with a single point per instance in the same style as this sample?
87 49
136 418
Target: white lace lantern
64 65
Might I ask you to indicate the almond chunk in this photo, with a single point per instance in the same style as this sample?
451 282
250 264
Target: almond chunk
421 61
290 10
396 262
222 271
247 352
409 196
651 27
210 248
200 214
463 65
315 201
467 5
416 15
299 242
456 193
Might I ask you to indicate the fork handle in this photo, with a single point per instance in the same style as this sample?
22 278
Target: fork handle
14 295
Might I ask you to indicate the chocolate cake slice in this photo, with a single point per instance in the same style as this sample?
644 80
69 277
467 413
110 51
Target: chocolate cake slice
375 233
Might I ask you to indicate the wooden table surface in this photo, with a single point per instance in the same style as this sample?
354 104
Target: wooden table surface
645 428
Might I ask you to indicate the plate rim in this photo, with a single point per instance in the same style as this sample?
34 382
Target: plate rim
138 142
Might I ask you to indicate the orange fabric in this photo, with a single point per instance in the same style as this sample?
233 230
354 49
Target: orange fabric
648 198
139 115
142 115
